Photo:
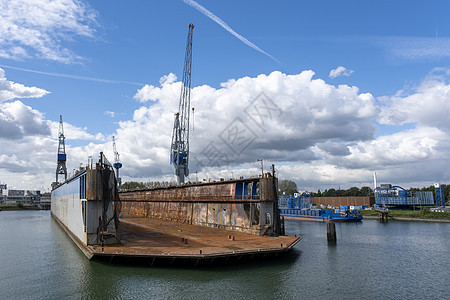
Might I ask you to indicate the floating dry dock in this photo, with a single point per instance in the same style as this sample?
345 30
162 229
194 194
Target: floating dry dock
164 242
215 222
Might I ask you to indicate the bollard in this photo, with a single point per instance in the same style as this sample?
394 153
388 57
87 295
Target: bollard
383 216
331 232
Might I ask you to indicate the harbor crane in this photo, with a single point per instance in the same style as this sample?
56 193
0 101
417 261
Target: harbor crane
439 196
61 168
179 150
117 164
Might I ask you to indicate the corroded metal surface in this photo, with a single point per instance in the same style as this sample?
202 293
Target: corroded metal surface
87 204
245 205
233 216
146 237
222 191
94 184
197 193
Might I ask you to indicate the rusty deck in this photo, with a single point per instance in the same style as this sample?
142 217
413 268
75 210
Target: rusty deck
157 241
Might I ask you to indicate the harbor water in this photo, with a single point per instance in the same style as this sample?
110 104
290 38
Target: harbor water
371 260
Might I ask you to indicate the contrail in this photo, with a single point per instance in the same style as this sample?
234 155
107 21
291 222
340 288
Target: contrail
73 76
219 21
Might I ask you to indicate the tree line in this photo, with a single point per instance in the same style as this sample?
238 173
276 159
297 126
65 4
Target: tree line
354 191
289 187
136 185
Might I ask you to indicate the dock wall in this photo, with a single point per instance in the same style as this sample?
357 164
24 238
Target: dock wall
241 205
67 206
85 205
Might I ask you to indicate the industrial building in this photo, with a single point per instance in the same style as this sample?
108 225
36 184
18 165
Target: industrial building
306 200
349 201
396 196
14 197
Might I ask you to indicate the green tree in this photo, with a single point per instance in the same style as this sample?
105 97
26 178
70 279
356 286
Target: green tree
288 187
132 185
330 193
352 192
366 191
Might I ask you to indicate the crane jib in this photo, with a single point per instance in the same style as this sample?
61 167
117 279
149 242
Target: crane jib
179 152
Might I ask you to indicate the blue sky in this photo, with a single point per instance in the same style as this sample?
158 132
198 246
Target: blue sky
110 57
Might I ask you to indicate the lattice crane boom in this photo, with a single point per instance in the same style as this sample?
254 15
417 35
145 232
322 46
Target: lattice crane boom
179 151
61 158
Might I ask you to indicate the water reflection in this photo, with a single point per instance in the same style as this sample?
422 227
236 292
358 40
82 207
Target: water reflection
370 260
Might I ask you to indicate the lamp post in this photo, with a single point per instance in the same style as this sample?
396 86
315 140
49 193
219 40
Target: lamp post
262 167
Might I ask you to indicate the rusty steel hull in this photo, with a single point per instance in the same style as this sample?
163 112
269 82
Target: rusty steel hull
244 205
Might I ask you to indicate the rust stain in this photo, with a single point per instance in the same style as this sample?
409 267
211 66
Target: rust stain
150 237
239 205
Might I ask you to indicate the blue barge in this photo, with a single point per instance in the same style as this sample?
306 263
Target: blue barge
300 206
343 214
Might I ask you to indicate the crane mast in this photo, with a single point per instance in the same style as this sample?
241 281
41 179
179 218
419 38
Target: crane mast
61 159
179 151
117 164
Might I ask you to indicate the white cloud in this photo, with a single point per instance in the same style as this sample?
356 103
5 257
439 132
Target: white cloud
416 48
18 120
110 113
168 79
36 28
320 135
340 71
169 86
72 132
427 105
10 90
302 112
325 135
29 143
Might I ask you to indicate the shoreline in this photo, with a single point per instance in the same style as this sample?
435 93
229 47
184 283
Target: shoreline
408 219
7 207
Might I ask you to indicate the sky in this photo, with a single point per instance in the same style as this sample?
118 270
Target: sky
327 91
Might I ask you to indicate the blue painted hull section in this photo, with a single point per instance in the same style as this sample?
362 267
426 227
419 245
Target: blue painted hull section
320 215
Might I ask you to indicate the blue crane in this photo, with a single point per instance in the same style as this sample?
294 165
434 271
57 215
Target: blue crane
61 159
439 195
179 150
117 164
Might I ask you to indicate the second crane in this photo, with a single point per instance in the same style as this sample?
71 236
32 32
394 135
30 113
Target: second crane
179 150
